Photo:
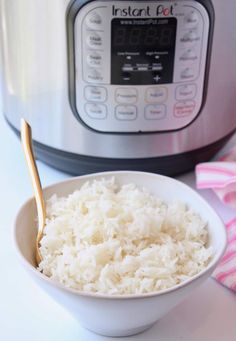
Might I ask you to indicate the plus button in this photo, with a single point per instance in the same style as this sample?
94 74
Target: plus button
157 78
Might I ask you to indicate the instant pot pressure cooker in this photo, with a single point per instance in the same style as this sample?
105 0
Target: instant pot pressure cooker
145 85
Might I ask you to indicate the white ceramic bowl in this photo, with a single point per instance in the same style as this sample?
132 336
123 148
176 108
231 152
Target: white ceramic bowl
119 315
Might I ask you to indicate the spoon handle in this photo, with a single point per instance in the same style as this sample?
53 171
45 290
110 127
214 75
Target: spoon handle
26 138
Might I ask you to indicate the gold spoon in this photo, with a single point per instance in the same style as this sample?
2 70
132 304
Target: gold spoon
26 139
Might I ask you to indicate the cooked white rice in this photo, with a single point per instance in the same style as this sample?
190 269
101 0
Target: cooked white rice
121 240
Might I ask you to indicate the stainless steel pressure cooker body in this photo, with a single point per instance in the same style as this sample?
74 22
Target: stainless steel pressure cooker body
145 85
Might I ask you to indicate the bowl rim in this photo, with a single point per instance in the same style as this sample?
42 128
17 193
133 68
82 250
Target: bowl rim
211 266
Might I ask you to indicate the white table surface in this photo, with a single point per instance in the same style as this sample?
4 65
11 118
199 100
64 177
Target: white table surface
27 313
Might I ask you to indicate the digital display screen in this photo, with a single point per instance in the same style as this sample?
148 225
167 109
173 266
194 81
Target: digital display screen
156 36
142 50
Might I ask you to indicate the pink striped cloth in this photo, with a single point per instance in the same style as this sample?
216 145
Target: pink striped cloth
220 176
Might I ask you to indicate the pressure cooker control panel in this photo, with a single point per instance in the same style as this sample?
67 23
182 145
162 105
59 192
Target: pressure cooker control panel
140 66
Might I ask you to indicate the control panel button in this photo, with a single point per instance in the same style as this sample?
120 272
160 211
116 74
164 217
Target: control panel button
126 112
156 95
190 38
184 92
191 20
95 93
94 59
94 76
155 112
126 95
183 109
94 40
187 73
189 55
96 111
94 20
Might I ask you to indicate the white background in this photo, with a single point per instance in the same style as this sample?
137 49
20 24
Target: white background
27 313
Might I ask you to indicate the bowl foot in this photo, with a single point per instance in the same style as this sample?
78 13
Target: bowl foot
119 333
